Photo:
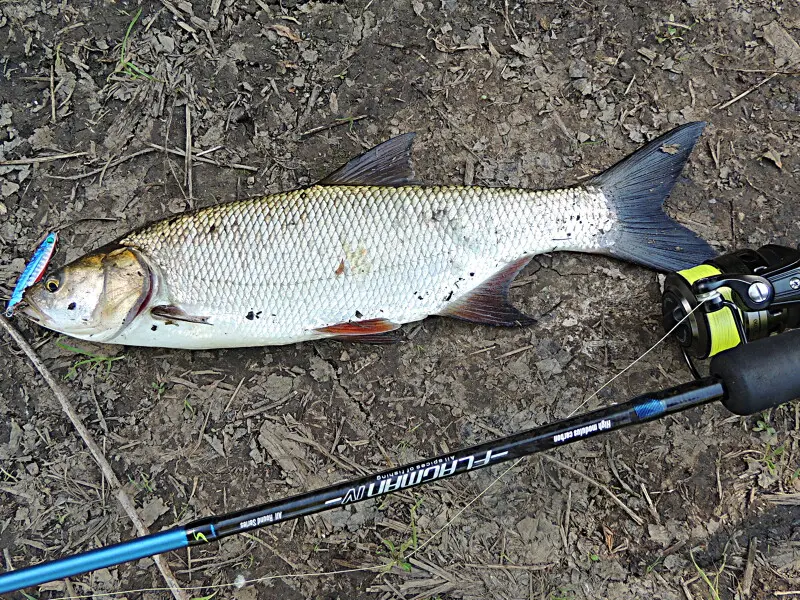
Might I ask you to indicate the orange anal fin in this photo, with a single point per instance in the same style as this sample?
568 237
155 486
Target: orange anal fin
360 330
488 303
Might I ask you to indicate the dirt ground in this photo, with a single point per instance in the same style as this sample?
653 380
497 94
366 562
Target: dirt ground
535 94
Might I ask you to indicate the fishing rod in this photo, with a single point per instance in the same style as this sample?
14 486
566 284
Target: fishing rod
726 309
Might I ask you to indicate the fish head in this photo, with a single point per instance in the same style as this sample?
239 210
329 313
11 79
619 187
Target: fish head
94 297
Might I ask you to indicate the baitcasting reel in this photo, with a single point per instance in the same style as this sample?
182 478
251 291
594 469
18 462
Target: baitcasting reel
746 295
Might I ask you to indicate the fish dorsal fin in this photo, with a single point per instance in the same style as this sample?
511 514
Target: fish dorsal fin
387 164
488 303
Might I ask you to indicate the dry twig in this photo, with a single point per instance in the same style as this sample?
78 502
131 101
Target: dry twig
636 518
336 123
122 496
203 160
748 91
188 150
104 168
749 569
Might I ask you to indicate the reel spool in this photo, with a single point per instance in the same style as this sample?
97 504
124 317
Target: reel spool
746 295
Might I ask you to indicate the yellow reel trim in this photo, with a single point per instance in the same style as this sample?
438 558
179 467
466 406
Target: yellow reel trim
721 326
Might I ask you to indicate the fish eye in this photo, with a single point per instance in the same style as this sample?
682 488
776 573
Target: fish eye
51 285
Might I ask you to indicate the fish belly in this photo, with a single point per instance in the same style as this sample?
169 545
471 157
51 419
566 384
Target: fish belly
279 269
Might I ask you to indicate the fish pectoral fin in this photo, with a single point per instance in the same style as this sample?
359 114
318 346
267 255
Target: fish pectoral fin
488 303
169 312
372 331
388 164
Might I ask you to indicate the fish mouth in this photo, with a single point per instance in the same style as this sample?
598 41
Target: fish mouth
31 311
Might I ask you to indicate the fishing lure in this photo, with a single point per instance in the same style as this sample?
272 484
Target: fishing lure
33 271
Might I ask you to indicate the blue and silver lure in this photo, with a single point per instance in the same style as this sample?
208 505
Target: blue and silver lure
33 271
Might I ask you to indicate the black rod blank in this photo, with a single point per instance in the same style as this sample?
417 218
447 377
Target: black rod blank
638 410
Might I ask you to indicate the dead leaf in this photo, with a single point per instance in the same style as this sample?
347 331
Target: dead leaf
7 188
647 53
787 50
284 31
526 47
774 156
609 538
670 148
151 511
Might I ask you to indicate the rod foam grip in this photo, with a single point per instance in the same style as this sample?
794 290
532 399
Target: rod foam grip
760 375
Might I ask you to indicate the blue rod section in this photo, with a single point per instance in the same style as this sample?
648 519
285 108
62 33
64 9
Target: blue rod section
172 539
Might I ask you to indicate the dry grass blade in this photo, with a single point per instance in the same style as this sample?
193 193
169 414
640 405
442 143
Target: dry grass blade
749 569
188 149
40 159
784 499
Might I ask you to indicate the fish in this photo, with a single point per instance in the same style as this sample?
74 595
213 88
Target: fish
360 253
33 271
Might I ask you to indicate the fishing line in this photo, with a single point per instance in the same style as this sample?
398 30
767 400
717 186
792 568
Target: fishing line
648 351
218 586
240 584
519 460
465 507
435 535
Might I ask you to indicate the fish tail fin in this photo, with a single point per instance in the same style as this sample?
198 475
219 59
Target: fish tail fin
636 187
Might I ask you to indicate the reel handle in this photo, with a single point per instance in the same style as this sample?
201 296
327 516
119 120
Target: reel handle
760 375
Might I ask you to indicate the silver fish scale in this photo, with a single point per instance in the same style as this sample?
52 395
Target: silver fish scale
272 270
